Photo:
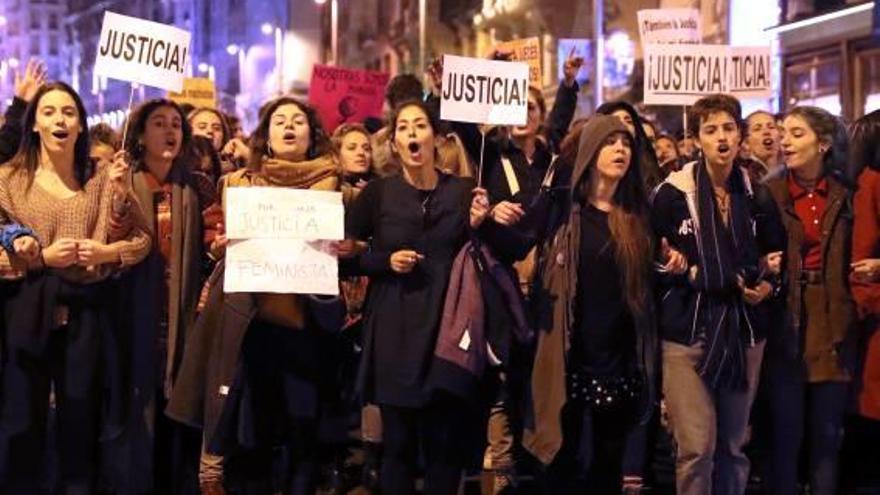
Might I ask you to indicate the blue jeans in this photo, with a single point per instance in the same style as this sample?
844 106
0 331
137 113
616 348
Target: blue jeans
803 412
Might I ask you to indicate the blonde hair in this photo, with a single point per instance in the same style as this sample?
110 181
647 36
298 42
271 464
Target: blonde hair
453 158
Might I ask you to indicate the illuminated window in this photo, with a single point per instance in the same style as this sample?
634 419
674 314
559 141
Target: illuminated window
867 82
815 81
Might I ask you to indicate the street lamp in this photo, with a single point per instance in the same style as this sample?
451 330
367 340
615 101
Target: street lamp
423 21
267 29
334 29
209 69
233 50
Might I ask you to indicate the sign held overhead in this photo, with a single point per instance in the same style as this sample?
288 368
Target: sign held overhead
682 74
484 91
143 52
343 95
670 26
527 50
199 92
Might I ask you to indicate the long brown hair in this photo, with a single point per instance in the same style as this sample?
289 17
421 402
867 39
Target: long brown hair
628 223
27 158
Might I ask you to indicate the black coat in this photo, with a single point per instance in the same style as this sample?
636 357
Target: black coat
10 133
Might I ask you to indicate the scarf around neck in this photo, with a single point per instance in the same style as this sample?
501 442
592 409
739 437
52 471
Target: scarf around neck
727 252
300 175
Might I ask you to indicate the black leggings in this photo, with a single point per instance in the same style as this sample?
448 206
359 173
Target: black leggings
591 457
439 429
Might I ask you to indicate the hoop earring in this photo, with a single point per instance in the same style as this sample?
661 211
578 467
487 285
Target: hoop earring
269 152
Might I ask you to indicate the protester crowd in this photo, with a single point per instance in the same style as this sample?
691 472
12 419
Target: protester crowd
549 301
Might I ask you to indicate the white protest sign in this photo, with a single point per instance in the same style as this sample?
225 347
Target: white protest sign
750 72
484 91
279 240
284 213
682 74
143 52
284 266
670 26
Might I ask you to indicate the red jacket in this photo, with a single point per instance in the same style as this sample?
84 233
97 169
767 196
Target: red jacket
866 244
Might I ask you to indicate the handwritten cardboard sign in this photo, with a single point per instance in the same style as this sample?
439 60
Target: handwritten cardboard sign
283 266
283 213
279 240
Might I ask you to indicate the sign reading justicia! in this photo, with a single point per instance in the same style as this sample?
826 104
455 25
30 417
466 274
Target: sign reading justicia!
682 74
484 91
143 52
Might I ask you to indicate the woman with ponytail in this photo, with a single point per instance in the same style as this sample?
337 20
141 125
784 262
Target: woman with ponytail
810 358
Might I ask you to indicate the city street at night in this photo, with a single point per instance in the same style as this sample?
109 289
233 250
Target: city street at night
448 247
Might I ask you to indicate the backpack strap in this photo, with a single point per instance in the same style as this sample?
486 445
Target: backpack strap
510 174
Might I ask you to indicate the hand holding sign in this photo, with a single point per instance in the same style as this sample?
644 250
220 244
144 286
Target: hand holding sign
119 174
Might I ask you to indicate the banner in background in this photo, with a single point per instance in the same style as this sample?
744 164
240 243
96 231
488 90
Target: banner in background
344 96
670 26
527 50
199 92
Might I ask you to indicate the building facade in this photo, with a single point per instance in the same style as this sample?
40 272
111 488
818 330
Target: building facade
829 56
31 28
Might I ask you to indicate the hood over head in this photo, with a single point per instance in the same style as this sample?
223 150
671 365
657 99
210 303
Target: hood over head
593 136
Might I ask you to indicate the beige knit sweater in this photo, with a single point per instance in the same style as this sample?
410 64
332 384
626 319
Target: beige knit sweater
86 215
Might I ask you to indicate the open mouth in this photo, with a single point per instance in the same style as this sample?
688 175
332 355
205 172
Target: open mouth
289 137
723 148
768 143
415 150
61 134
620 161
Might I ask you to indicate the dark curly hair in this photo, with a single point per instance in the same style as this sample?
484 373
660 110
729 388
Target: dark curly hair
864 144
319 143
137 125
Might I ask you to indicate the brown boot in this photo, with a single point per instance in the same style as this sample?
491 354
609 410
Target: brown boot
212 488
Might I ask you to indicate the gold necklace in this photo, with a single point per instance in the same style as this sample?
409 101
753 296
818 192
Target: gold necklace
723 202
